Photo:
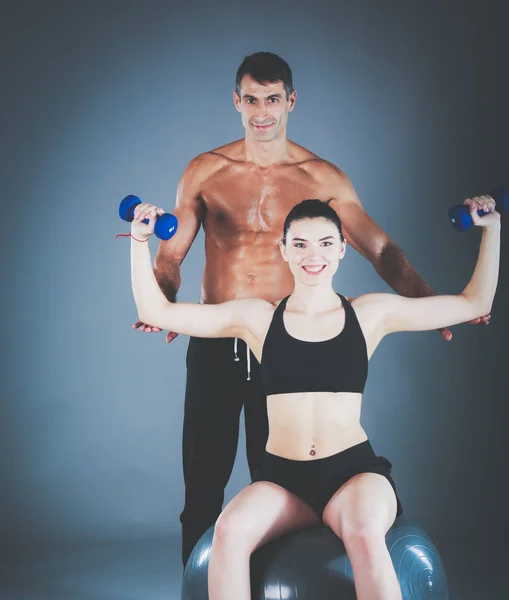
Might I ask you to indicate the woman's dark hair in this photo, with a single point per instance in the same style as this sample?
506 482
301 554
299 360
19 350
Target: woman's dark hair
265 67
311 209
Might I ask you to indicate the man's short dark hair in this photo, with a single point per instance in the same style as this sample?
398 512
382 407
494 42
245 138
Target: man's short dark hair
265 67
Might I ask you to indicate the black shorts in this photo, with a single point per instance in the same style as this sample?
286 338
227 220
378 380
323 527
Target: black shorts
316 481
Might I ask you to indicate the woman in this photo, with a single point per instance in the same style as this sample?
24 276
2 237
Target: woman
313 348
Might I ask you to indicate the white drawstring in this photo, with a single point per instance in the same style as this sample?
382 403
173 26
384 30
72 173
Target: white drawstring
248 355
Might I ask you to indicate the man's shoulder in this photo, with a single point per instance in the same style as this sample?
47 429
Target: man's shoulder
326 172
210 162
320 168
230 151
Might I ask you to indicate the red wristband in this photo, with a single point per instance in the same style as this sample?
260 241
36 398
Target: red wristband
130 235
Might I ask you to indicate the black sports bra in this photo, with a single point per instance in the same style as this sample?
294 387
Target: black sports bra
339 364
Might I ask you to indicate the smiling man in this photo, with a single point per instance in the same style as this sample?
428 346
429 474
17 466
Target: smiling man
240 193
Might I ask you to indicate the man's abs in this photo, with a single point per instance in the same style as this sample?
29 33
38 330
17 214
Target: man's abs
254 270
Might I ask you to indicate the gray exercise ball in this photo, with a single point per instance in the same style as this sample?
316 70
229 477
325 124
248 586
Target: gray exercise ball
312 564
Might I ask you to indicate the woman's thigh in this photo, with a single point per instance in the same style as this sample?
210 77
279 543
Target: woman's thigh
261 512
364 504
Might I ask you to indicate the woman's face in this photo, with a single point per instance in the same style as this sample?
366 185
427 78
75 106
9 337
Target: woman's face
313 250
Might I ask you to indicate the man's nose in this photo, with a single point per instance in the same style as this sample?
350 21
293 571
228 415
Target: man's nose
262 110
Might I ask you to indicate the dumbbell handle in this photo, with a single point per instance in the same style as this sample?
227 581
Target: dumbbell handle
459 215
165 226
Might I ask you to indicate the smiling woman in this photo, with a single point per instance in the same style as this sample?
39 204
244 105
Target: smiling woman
319 464
314 244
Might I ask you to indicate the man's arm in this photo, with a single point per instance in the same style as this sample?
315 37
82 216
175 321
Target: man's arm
387 258
189 210
370 240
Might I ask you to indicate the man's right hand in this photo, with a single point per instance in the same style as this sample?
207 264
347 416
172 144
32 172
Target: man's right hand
170 336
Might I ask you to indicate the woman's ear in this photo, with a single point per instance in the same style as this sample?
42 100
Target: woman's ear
345 244
282 248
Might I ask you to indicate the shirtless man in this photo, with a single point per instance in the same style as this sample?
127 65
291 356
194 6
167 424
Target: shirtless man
241 193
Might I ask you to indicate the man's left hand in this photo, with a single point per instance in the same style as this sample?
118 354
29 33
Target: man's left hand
447 335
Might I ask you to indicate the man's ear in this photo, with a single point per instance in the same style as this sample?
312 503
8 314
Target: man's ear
292 98
236 100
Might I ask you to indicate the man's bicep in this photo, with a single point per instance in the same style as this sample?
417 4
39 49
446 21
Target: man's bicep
190 218
189 210
359 229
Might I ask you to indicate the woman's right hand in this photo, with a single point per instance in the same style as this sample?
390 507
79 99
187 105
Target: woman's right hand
486 204
144 211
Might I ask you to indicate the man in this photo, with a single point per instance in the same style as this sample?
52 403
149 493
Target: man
241 193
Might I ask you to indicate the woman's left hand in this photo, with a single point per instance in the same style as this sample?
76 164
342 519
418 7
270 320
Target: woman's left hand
143 211
485 204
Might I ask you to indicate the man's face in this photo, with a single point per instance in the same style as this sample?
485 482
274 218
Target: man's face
264 108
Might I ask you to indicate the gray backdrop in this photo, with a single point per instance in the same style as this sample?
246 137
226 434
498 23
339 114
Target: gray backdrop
103 99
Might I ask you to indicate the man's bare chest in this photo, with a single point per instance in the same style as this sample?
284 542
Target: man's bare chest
244 203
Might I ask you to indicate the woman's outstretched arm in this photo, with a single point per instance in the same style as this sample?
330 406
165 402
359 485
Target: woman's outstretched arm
397 313
227 319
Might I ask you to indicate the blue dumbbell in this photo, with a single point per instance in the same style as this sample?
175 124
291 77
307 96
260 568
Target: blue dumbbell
165 227
459 215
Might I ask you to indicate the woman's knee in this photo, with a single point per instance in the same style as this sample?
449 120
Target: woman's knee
360 529
232 529
363 535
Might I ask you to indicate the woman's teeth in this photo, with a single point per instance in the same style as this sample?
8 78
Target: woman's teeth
314 270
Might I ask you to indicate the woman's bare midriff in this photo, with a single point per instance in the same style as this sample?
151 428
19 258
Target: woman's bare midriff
309 426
